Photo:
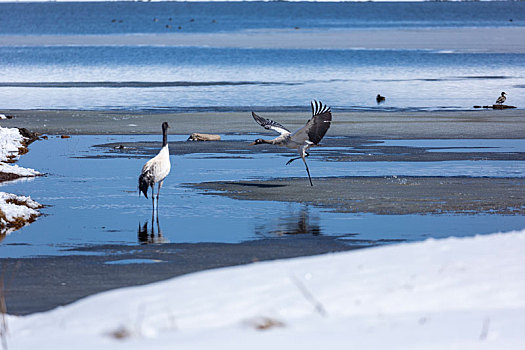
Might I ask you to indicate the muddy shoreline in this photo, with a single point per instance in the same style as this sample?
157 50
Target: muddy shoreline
401 195
505 124
69 278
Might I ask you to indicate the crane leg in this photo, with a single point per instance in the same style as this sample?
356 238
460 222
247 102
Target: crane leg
291 160
152 235
308 171
153 195
158 193
159 232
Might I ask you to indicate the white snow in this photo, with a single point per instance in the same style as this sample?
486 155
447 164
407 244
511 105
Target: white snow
17 170
10 141
13 207
466 293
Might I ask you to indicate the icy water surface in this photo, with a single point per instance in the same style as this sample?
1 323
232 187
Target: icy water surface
93 200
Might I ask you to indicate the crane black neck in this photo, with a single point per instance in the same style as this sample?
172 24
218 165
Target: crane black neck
164 137
164 134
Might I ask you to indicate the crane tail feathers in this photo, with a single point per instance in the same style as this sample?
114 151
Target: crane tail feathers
143 185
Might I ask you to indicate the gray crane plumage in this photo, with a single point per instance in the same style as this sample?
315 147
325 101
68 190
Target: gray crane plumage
302 139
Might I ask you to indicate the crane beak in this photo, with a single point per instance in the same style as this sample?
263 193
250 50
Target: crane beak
253 143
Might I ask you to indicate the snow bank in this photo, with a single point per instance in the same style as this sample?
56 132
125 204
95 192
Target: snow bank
18 170
16 211
437 294
11 141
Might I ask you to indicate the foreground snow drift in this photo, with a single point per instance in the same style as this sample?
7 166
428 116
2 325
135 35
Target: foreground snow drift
453 293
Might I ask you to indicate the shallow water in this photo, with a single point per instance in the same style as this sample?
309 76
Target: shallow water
94 201
200 78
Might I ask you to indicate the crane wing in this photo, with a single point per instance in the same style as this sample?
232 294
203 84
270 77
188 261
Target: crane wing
318 125
270 124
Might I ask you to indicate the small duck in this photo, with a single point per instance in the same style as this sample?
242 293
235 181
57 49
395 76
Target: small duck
380 99
501 99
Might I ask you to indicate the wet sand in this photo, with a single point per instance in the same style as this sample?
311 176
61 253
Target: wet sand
71 277
40 284
333 149
496 39
386 195
473 124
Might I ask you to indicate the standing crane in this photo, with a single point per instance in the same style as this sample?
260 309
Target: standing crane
156 169
308 136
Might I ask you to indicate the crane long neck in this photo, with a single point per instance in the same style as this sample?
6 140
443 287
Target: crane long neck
164 137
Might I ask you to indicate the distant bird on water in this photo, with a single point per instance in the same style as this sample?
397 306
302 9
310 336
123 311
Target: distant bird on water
380 99
308 136
156 169
501 99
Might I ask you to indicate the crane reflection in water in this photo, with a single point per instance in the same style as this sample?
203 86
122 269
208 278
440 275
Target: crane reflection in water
148 236
300 222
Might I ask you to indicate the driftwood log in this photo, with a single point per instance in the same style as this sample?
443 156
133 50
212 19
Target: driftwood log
196 136
496 106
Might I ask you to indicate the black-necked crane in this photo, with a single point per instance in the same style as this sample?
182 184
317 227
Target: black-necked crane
156 169
501 99
308 136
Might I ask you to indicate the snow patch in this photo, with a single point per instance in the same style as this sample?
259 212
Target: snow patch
462 293
11 141
16 211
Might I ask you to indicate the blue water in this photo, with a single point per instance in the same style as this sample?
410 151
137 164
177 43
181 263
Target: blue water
196 78
138 17
94 201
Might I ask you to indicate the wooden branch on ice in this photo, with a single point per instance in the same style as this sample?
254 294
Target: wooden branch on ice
496 106
204 137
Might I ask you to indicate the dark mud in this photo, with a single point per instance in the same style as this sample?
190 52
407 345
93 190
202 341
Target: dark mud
40 284
334 149
386 195
381 125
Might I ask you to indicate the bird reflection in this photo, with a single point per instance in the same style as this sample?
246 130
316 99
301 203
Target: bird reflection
146 236
296 223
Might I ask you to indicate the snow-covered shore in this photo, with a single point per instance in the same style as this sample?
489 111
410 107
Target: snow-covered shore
12 142
15 211
466 293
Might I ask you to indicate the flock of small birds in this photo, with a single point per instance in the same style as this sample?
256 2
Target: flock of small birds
156 19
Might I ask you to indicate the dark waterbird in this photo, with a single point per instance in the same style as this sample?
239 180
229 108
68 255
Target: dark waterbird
156 169
501 99
308 136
